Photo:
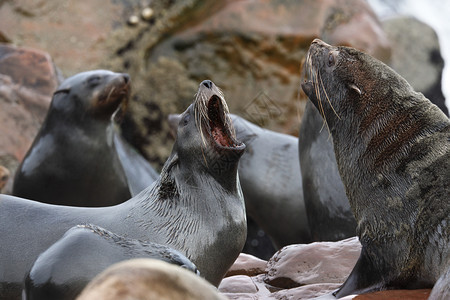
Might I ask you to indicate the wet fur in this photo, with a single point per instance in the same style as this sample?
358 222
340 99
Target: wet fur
392 147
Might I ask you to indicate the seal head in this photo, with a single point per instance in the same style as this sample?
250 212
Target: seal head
73 159
98 92
212 128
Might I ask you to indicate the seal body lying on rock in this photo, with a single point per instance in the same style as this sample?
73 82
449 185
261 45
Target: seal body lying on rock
78 158
63 270
196 206
392 148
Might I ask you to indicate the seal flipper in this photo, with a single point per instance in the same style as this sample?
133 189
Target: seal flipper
365 277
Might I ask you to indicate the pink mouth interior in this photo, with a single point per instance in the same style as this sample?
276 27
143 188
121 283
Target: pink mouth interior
219 131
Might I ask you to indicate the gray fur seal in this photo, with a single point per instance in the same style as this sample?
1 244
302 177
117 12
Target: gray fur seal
195 207
78 157
392 147
63 270
269 173
330 217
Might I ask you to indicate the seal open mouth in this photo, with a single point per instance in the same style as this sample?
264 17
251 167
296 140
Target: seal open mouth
220 127
212 120
217 125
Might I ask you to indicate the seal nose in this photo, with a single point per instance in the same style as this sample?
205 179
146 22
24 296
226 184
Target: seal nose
126 78
319 42
207 83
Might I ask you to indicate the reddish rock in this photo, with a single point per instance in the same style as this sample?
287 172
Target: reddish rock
396 295
238 284
251 49
324 262
307 291
247 264
295 272
244 287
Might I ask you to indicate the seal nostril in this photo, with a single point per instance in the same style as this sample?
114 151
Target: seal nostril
207 83
126 78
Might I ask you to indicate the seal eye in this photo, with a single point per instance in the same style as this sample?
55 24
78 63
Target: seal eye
186 119
94 81
331 60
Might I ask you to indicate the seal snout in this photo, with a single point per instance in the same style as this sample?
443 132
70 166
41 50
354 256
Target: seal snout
319 42
207 83
126 78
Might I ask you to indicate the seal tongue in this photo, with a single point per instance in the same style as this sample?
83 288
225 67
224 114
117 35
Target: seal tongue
217 125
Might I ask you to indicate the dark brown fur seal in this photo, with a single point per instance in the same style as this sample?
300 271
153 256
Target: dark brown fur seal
63 270
78 157
196 206
392 148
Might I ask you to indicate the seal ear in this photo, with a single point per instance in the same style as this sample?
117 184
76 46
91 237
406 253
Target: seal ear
355 88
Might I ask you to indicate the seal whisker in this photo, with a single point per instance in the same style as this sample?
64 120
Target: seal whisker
319 100
328 99
110 93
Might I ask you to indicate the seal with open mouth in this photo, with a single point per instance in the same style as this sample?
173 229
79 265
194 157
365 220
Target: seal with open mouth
195 207
271 181
392 147
78 158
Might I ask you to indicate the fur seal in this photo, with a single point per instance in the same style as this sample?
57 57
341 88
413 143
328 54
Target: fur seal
269 173
78 158
195 207
330 217
149 279
392 147
4 176
63 270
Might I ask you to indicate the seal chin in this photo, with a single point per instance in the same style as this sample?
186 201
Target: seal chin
220 127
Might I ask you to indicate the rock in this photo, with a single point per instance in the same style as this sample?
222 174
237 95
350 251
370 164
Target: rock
244 287
324 262
421 294
247 264
302 271
28 79
239 284
416 56
148 279
253 49
309 291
